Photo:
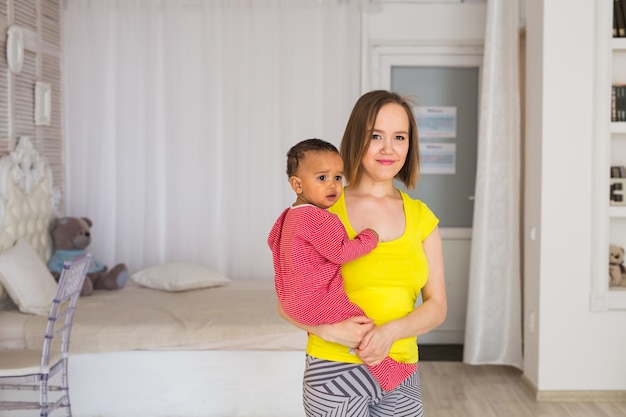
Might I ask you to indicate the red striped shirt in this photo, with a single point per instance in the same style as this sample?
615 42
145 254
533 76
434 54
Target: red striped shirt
309 245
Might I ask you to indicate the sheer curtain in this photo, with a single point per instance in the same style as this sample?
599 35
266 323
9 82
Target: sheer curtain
493 333
178 116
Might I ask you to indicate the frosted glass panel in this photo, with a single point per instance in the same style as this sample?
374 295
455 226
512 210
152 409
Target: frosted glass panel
450 194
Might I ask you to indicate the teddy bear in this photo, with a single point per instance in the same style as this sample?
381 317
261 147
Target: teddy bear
617 270
70 238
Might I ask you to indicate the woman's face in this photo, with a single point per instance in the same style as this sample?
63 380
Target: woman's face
388 144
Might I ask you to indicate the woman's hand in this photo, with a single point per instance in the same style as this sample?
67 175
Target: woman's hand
375 345
347 333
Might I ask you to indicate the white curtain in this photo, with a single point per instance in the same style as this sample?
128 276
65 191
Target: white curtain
179 113
493 332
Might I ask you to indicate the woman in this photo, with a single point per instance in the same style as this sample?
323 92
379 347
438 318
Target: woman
379 145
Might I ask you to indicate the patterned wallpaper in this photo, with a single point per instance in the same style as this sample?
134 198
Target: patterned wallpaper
41 26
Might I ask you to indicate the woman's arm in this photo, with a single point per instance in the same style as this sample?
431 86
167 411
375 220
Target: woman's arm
431 313
347 333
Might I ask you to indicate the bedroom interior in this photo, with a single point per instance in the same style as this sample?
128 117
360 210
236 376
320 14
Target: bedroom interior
166 122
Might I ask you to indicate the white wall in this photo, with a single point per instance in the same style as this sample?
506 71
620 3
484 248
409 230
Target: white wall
571 348
420 24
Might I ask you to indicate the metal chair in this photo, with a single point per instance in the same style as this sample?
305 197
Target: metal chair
34 369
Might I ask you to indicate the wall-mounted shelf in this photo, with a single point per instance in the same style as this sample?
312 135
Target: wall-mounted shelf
616 212
618 127
611 300
618 44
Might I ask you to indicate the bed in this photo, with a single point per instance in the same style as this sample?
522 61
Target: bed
215 349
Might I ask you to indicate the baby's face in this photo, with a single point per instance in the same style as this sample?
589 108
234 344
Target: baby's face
321 178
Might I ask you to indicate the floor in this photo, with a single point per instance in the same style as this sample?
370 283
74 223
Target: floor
454 389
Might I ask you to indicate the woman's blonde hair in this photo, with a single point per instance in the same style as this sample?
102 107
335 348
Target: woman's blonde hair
358 133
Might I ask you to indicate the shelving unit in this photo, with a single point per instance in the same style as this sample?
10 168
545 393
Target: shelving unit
610 220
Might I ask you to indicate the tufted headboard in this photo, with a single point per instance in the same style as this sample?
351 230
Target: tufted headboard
28 201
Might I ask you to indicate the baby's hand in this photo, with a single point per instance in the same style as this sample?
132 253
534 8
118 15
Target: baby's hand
377 237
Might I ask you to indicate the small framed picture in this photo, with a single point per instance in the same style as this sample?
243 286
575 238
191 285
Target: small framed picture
15 49
43 104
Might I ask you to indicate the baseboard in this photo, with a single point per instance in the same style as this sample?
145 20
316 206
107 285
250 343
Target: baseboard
441 352
581 396
573 396
442 337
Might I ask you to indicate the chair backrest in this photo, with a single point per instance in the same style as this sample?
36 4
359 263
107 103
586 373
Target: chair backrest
63 307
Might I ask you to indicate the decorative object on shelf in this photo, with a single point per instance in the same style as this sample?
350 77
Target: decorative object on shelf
618 102
618 185
15 49
43 101
617 270
618 171
619 18
618 192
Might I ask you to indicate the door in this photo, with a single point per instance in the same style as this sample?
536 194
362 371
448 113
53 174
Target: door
444 82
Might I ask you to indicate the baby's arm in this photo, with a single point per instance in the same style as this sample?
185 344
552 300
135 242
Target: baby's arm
348 332
333 243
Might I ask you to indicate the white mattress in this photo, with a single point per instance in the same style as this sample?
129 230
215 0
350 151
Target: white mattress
12 329
239 316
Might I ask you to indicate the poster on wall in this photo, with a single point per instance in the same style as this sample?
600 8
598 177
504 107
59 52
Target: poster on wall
436 122
438 158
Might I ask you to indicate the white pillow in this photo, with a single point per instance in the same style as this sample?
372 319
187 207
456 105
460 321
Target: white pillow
179 276
27 279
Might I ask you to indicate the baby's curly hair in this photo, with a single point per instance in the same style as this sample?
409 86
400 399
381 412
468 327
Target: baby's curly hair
299 150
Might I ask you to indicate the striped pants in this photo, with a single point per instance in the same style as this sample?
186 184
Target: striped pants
336 389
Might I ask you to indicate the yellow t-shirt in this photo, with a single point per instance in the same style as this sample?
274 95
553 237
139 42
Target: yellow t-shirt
386 282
